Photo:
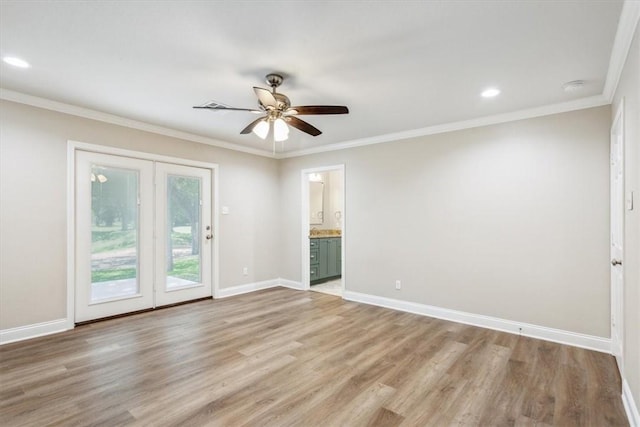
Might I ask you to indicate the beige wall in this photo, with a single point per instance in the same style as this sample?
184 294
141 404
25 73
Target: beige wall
33 168
509 220
629 90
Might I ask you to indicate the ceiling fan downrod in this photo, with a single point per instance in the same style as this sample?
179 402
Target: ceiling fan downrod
274 80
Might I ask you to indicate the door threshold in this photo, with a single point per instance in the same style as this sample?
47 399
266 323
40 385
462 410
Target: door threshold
146 310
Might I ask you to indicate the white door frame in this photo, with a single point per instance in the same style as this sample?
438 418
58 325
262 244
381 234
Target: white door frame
305 229
72 147
617 225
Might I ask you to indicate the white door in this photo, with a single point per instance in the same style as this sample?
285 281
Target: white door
184 235
617 244
114 235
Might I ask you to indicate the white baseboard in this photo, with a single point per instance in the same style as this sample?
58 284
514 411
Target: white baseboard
257 286
290 284
246 288
32 331
541 332
630 405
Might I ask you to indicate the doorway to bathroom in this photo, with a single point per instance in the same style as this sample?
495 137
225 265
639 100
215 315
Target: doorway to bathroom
323 229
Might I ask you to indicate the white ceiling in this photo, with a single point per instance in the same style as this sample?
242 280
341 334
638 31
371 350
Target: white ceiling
397 65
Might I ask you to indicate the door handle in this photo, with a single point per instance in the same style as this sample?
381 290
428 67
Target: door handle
615 262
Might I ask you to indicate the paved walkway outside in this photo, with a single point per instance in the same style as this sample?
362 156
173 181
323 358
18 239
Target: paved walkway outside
128 287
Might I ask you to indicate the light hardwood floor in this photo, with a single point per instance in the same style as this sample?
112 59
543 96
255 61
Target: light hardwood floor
281 357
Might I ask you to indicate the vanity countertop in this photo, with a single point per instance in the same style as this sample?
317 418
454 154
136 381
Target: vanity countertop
323 234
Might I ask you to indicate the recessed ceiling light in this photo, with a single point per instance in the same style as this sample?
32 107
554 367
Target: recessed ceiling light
490 92
573 86
16 62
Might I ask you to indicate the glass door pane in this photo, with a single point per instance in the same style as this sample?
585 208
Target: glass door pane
184 230
114 233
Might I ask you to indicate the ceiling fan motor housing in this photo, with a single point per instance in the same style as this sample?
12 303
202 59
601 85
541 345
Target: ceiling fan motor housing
283 101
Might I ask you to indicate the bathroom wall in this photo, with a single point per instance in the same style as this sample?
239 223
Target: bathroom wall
333 199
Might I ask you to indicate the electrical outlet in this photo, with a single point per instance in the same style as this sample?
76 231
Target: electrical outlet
398 284
245 271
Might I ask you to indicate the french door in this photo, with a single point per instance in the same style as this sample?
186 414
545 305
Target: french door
183 252
143 234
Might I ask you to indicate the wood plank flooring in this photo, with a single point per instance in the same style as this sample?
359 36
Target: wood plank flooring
281 357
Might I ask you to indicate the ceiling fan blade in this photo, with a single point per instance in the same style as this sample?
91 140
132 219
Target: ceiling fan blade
216 106
266 98
319 109
251 125
302 125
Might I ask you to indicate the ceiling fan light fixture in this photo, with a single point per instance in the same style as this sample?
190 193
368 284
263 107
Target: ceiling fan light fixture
280 130
261 129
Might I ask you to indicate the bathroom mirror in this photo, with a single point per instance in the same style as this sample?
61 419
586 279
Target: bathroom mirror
316 203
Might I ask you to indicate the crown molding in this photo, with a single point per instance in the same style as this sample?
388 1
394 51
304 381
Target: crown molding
35 101
627 24
87 113
578 104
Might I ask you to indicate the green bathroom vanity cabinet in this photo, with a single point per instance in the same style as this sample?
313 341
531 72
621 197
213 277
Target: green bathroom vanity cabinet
325 259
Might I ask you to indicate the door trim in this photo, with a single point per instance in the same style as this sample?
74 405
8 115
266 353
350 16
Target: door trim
304 219
72 147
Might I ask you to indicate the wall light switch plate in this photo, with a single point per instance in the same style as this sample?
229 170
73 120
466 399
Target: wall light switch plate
629 200
225 210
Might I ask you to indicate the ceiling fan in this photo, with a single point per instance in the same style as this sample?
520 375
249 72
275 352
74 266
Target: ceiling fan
279 114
